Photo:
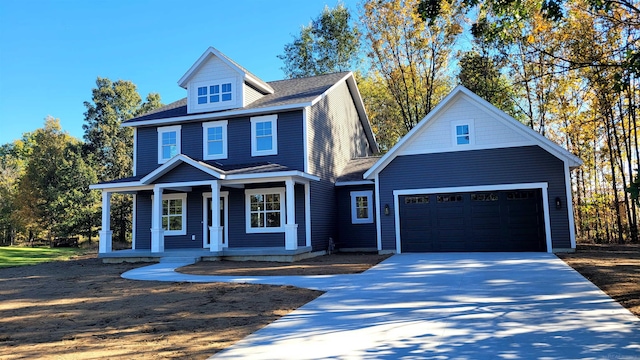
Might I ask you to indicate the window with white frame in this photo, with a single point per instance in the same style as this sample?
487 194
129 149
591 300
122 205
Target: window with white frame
174 214
264 135
214 140
265 210
215 93
361 207
462 132
168 143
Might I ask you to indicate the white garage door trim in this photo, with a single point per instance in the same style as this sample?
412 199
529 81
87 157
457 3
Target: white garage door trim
463 189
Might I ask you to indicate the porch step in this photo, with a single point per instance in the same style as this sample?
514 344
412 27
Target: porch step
180 259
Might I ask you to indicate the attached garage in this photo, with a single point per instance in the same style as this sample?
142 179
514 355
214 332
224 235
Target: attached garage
469 177
507 220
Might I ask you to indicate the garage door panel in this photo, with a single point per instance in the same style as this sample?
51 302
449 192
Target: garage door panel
481 221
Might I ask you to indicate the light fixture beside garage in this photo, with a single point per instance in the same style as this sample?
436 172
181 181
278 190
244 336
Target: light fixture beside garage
558 203
386 209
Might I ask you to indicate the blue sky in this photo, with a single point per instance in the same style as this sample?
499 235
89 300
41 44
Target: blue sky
52 51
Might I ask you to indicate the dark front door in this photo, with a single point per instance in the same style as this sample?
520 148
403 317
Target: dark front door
509 220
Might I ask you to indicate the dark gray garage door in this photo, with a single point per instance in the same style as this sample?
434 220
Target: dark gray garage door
510 220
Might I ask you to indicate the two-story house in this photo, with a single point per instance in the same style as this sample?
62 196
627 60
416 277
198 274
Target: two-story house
274 170
267 153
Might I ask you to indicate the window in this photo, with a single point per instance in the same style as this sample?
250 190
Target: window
215 93
168 143
214 140
174 214
418 199
449 198
265 210
484 197
264 135
462 133
361 207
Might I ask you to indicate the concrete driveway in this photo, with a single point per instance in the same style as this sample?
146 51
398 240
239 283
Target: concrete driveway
441 306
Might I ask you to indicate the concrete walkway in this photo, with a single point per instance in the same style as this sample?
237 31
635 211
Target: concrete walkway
440 306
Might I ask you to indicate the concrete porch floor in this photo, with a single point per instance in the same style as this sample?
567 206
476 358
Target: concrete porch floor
278 254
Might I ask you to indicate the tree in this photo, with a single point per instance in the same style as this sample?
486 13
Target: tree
109 146
328 44
411 42
382 110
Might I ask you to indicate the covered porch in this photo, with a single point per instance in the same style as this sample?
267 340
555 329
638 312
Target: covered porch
263 213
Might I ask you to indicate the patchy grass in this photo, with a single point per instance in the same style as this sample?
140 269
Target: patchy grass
20 256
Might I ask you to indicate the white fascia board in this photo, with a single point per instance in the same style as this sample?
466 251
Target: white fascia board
272 175
356 182
220 115
259 84
210 51
121 187
174 162
335 85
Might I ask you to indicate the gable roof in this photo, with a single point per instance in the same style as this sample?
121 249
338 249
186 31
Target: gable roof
553 148
355 168
211 51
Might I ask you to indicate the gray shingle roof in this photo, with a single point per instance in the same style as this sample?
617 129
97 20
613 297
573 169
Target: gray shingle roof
356 168
286 92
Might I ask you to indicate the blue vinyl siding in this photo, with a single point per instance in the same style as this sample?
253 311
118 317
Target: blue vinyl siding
474 168
143 220
147 150
354 235
184 172
299 190
238 236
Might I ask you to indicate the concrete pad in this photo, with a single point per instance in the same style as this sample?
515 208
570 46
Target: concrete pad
441 306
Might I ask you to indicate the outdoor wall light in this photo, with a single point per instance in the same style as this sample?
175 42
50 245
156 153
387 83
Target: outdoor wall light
386 209
558 203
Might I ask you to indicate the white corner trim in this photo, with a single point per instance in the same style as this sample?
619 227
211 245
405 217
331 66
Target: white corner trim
539 185
569 205
205 139
166 129
135 151
134 221
307 213
273 119
354 207
378 219
251 230
305 138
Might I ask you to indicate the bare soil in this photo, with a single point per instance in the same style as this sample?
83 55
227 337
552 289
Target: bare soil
83 309
613 268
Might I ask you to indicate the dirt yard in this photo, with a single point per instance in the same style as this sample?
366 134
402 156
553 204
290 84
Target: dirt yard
613 268
82 309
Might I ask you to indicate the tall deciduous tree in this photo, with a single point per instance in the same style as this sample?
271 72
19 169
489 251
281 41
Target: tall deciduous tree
330 43
410 44
109 144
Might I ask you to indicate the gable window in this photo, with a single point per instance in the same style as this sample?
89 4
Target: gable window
215 93
264 135
168 143
174 214
264 210
214 140
361 207
462 133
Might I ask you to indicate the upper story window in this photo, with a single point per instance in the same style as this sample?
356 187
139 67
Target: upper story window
264 135
214 140
168 142
462 132
215 93
361 207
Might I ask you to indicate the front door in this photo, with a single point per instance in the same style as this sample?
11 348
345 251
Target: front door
223 221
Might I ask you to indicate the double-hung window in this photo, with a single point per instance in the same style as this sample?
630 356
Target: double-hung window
265 210
214 140
168 142
462 133
174 214
361 207
264 135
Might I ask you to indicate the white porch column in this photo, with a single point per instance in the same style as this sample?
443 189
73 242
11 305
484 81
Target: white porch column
215 230
157 233
290 228
105 243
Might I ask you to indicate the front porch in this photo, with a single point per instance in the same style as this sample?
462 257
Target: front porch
276 254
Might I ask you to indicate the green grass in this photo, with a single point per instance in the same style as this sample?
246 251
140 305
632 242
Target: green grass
20 256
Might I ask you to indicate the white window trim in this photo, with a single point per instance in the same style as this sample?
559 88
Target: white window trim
183 197
235 93
205 128
454 136
354 213
247 212
165 129
274 128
